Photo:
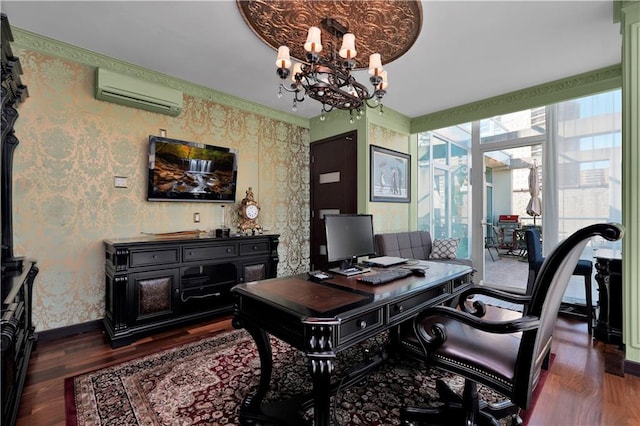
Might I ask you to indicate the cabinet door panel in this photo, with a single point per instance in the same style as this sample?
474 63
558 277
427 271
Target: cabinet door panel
153 294
254 272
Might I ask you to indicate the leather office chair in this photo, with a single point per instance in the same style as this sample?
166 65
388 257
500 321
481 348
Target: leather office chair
505 355
584 268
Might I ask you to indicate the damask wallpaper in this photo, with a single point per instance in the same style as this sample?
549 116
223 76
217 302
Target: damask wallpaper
72 146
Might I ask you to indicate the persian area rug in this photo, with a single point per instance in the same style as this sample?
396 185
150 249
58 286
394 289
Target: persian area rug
203 383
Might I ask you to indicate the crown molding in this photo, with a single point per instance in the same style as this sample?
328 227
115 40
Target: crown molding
544 94
390 119
588 83
31 41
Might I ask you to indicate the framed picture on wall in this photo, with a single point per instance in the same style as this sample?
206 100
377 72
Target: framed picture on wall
390 175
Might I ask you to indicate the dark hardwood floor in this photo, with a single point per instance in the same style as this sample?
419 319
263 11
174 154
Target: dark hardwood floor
577 390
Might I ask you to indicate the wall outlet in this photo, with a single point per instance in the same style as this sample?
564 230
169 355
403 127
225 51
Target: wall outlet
120 181
196 218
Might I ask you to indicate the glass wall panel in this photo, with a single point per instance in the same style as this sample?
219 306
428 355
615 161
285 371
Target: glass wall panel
589 149
443 184
530 122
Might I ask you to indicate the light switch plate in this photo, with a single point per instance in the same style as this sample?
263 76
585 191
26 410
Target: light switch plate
120 182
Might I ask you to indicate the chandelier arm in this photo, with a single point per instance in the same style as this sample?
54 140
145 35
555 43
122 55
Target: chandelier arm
292 90
374 105
299 96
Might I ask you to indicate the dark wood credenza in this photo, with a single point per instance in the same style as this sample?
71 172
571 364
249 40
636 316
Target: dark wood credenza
153 283
608 326
18 337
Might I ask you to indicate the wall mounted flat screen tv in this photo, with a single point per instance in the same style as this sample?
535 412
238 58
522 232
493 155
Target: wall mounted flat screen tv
190 171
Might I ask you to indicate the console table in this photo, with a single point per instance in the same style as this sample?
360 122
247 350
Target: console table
608 327
324 318
153 283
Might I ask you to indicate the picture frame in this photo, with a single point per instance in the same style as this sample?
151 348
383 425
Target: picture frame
390 179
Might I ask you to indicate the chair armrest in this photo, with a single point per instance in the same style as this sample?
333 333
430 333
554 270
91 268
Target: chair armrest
479 307
438 334
507 296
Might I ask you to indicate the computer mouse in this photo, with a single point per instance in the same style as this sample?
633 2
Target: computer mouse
419 271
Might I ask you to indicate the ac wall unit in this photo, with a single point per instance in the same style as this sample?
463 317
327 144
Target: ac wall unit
136 93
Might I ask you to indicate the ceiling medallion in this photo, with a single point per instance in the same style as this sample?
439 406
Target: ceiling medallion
384 29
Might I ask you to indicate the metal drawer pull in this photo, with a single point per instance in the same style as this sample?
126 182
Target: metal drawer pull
363 324
400 308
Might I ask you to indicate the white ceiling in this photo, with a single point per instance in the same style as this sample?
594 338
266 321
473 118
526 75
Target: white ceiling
467 50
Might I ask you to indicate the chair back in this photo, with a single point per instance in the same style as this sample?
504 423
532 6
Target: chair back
411 245
546 295
534 248
534 255
497 235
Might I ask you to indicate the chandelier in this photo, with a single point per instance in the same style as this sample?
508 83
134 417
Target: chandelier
386 29
329 79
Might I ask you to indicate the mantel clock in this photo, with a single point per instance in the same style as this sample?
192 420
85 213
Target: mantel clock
249 210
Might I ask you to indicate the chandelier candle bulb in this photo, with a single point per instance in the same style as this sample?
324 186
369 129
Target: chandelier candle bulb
375 64
385 82
284 60
297 70
313 44
348 49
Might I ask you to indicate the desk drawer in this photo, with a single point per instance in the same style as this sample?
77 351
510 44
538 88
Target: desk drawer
461 282
407 306
360 324
154 257
206 253
261 247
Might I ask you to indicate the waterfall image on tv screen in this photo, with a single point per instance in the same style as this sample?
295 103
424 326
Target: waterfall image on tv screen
189 171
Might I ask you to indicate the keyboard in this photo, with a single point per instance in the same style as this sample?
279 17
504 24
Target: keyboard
385 276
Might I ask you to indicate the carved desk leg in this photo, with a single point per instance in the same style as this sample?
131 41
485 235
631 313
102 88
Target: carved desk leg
320 340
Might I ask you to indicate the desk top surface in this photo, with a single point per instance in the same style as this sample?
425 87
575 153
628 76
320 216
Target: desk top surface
340 294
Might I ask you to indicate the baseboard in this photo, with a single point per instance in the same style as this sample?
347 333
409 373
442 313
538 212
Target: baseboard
632 368
71 330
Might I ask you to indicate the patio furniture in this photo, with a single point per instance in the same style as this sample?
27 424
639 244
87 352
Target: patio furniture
493 241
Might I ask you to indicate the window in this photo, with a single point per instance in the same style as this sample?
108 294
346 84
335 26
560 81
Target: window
443 184
579 169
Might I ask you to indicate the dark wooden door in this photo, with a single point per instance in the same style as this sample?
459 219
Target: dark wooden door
333 187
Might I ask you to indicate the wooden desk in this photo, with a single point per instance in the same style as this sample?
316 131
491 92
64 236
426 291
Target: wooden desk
322 319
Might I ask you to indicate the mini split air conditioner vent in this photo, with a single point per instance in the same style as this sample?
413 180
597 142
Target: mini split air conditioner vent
124 90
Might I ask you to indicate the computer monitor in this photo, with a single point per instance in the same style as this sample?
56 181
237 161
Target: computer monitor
349 236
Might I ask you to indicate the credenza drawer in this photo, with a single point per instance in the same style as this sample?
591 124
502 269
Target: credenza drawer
209 252
261 247
362 323
153 257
